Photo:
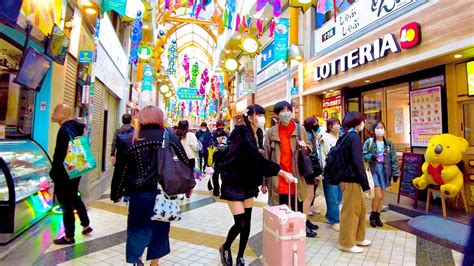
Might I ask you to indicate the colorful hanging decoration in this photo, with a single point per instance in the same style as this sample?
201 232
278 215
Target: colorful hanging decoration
261 4
237 23
159 49
183 107
259 28
276 8
135 38
187 75
204 81
167 4
194 74
213 87
229 21
226 17
271 29
304 6
172 58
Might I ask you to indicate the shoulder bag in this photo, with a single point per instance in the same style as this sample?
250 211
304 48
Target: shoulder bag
305 165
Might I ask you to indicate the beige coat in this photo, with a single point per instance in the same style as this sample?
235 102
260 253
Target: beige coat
273 152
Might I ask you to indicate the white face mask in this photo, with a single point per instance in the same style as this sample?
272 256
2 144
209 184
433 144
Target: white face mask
379 132
335 128
261 121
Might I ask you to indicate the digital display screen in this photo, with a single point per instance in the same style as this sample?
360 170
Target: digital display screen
33 69
58 45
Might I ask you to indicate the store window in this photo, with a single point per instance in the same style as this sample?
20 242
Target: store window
16 102
468 110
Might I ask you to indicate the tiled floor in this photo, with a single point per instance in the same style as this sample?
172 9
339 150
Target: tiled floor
195 240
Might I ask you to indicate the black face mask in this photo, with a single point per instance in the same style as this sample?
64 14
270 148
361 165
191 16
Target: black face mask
315 128
220 129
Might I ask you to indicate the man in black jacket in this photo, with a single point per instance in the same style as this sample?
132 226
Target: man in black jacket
66 189
220 137
205 137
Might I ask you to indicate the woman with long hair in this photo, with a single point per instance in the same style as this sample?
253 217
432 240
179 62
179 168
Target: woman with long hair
381 156
242 172
332 193
140 181
190 144
353 183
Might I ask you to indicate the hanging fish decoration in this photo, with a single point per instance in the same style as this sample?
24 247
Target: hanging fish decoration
271 28
237 23
229 21
226 17
194 73
276 8
259 27
204 81
187 75
167 4
135 39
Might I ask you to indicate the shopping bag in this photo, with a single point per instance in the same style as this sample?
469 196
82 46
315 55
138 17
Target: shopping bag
79 159
166 209
370 178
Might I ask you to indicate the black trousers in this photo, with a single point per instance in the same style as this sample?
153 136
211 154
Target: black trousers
215 182
284 200
203 158
66 192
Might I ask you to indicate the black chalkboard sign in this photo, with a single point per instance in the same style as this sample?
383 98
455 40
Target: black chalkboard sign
411 169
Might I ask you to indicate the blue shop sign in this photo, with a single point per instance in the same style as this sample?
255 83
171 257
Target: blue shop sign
281 39
266 56
86 57
294 90
189 94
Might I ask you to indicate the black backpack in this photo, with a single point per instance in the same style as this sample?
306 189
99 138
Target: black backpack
336 165
124 140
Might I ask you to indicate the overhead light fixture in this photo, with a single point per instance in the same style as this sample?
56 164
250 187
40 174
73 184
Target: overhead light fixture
86 3
231 64
167 95
91 11
164 88
331 90
295 52
367 81
457 56
250 45
146 27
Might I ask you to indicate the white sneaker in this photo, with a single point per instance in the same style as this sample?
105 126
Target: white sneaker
364 243
354 249
335 227
314 211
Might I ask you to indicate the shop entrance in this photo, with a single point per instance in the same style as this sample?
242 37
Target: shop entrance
392 106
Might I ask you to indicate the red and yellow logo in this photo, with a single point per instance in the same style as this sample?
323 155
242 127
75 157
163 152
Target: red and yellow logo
410 35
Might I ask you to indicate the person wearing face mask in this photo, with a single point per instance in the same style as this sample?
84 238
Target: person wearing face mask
281 146
220 137
205 138
353 182
242 173
312 131
332 193
382 158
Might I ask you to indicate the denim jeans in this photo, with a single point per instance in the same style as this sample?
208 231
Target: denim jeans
333 196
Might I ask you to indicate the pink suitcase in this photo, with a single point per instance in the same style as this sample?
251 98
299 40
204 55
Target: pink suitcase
284 236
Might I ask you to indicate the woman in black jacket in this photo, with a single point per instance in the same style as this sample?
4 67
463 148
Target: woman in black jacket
243 169
353 182
140 180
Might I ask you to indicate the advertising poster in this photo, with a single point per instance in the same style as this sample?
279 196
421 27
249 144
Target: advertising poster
426 115
470 77
43 14
280 43
332 107
399 128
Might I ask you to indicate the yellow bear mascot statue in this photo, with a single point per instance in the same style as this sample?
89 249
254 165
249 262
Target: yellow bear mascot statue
443 154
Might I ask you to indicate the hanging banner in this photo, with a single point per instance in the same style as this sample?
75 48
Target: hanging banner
265 57
280 47
119 6
147 84
185 94
43 14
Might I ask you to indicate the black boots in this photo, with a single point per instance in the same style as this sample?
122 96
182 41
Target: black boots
226 257
375 219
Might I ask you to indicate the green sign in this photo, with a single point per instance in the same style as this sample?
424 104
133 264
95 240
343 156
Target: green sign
86 57
144 52
190 94
118 6
470 77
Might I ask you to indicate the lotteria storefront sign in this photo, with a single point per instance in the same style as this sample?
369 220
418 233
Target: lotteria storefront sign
410 36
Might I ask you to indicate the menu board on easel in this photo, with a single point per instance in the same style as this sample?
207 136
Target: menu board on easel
426 115
410 169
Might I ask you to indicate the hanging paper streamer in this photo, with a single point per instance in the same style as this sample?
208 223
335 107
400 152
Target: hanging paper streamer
221 86
231 5
249 21
204 81
271 28
237 23
229 21
187 75
135 38
226 17
261 4
183 107
194 73
167 4
172 58
193 11
213 87
260 27
276 8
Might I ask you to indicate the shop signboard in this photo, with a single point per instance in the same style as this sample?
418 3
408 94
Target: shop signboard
265 57
332 107
147 84
112 46
410 169
43 14
426 115
189 94
294 91
86 57
272 71
359 18
470 77
85 94
109 75
281 39
144 52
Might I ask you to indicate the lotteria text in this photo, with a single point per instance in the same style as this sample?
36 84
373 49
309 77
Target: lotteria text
357 57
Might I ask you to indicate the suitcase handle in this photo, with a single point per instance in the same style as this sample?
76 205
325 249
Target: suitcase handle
296 195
